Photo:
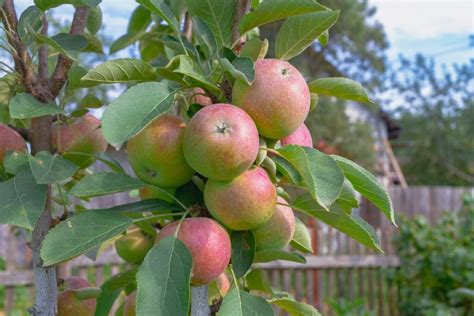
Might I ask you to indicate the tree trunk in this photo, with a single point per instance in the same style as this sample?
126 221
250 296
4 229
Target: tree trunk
199 301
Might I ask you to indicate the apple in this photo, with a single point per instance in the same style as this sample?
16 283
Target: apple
79 140
278 100
199 96
218 288
301 137
134 246
208 243
10 140
150 192
76 297
221 142
278 231
243 203
156 153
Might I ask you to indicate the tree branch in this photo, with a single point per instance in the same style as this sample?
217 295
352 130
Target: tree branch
241 8
59 76
188 27
43 53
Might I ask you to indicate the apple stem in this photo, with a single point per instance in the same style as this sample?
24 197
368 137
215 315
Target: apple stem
155 216
234 277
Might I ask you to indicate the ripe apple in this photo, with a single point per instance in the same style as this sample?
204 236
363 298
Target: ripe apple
221 141
208 243
79 140
129 306
243 203
134 246
70 303
200 97
301 137
278 231
10 140
156 153
278 100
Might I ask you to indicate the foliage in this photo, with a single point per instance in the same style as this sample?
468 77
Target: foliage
437 264
353 307
435 108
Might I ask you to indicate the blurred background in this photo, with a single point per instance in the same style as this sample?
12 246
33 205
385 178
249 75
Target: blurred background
415 57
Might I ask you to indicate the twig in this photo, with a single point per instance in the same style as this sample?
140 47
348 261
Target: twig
188 27
241 8
43 53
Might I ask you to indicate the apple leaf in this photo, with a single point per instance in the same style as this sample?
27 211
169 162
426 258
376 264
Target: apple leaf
120 70
243 251
241 68
274 10
163 11
204 36
257 281
94 20
104 183
163 279
131 112
48 168
139 20
294 308
353 226
367 185
299 32
14 161
267 255
321 175
347 199
255 49
24 105
240 303
126 40
301 239
340 87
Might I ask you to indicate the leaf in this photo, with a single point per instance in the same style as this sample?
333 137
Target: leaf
163 279
241 68
353 226
24 105
104 183
255 49
94 44
80 233
320 173
120 70
90 101
74 76
124 41
49 4
240 303
63 43
111 290
15 161
324 39
301 239
163 11
299 32
204 36
267 255
243 251
31 17
194 75
47 168
287 170
273 10
94 20
131 112
22 200
294 308
367 185
341 88
139 20
218 15
347 200
257 281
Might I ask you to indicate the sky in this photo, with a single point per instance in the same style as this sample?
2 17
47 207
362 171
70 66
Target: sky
439 29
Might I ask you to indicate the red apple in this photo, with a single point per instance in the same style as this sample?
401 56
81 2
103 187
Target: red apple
301 137
200 97
70 303
10 140
79 140
208 243
218 288
156 153
278 231
221 142
278 100
243 203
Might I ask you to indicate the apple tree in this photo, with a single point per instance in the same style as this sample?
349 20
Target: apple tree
214 132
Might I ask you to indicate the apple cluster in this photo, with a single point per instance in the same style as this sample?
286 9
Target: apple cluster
223 145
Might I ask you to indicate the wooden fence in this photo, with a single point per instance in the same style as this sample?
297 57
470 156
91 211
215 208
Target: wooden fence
342 269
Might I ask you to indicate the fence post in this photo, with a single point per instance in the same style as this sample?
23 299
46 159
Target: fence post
199 301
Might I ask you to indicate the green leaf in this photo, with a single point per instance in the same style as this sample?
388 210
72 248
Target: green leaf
324 39
49 4
24 105
63 43
341 88
193 73
22 200
81 233
104 183
320 173
204 36
31 17
347 200
125 40
367 185
299 32
163 11
94 44
127 115
273 10
140 20
287 170
257 281
111 290
294 308
15 161
163 279
47 168
255 49
243 251
94 20
74 76
120 70
267 255
240 303
241 68
218 15
301 239
353 226
90 101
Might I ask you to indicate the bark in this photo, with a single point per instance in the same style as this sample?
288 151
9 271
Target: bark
199 301
241 8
